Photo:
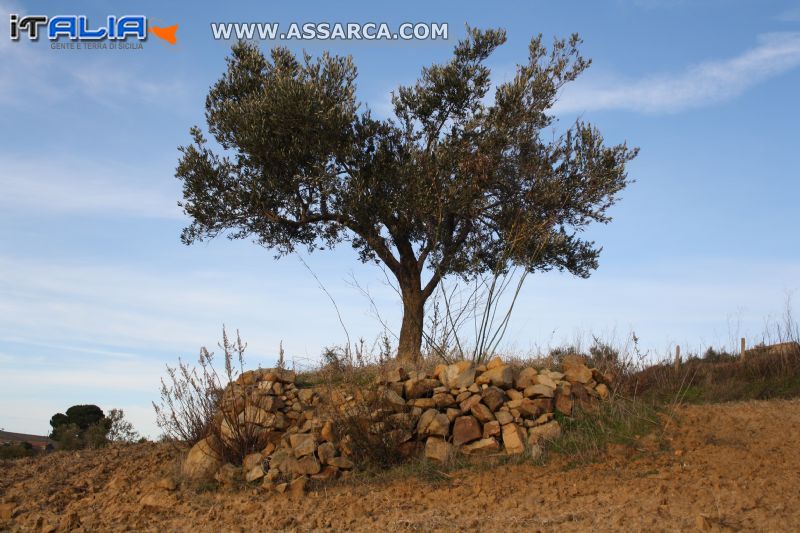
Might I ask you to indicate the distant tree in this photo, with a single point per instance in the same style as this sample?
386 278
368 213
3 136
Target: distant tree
85 415
56 421
81 426
456 183
68 436
120 429
15 451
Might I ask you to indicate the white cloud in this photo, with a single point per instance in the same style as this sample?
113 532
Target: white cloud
114 87
77 332
702 84
83 186
170 308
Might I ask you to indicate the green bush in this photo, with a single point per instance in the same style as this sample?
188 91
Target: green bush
86 426
16 451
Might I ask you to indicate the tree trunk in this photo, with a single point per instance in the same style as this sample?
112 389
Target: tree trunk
410 342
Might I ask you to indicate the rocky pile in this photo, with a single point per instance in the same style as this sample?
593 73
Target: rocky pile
264 409
490 408
458 408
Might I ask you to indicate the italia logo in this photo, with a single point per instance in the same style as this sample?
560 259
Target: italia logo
78 28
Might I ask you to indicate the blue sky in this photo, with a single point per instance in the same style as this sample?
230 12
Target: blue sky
97 293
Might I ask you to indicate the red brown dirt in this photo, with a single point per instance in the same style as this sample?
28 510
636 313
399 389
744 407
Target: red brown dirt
729 467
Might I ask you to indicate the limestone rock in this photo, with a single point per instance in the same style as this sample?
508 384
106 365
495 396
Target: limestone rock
493 397
437 449
469 403
575 371
539 390
202 461
463 395
251 460
514 394
458 375
548 431
500 376
503 417
393 399
254 474
422 403
529 408
466 429
341 462
443 399
486 445
602 391
491 429
305 395
439 426
325 452
327 432
545 405
425 420
513 439
306 465
418 388
270 403
564 403
302 444
526 378
482 413
546 380
494 363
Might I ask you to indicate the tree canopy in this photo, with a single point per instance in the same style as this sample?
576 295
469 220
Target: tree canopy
462 180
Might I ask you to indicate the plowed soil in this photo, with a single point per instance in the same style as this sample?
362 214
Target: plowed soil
730 466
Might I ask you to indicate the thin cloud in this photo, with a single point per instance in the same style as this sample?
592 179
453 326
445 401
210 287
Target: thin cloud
707 83
109 85
82 187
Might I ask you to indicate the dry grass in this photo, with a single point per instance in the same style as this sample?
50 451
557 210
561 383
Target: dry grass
763 374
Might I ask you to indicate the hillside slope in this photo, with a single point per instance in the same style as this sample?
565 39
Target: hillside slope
729 466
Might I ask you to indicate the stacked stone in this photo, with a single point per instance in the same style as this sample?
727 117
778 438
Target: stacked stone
267 405
490 408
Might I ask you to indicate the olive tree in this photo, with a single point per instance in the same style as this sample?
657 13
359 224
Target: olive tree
462 180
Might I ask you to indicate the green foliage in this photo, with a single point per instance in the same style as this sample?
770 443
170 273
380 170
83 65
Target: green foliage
68 437
58 420
81 427
85 416
95 435
119 428
17 451
716 356
452 184
586 436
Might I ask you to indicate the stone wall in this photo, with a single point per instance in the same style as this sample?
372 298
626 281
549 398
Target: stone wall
459 408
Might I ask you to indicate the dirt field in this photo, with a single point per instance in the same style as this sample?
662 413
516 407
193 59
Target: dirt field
729 467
